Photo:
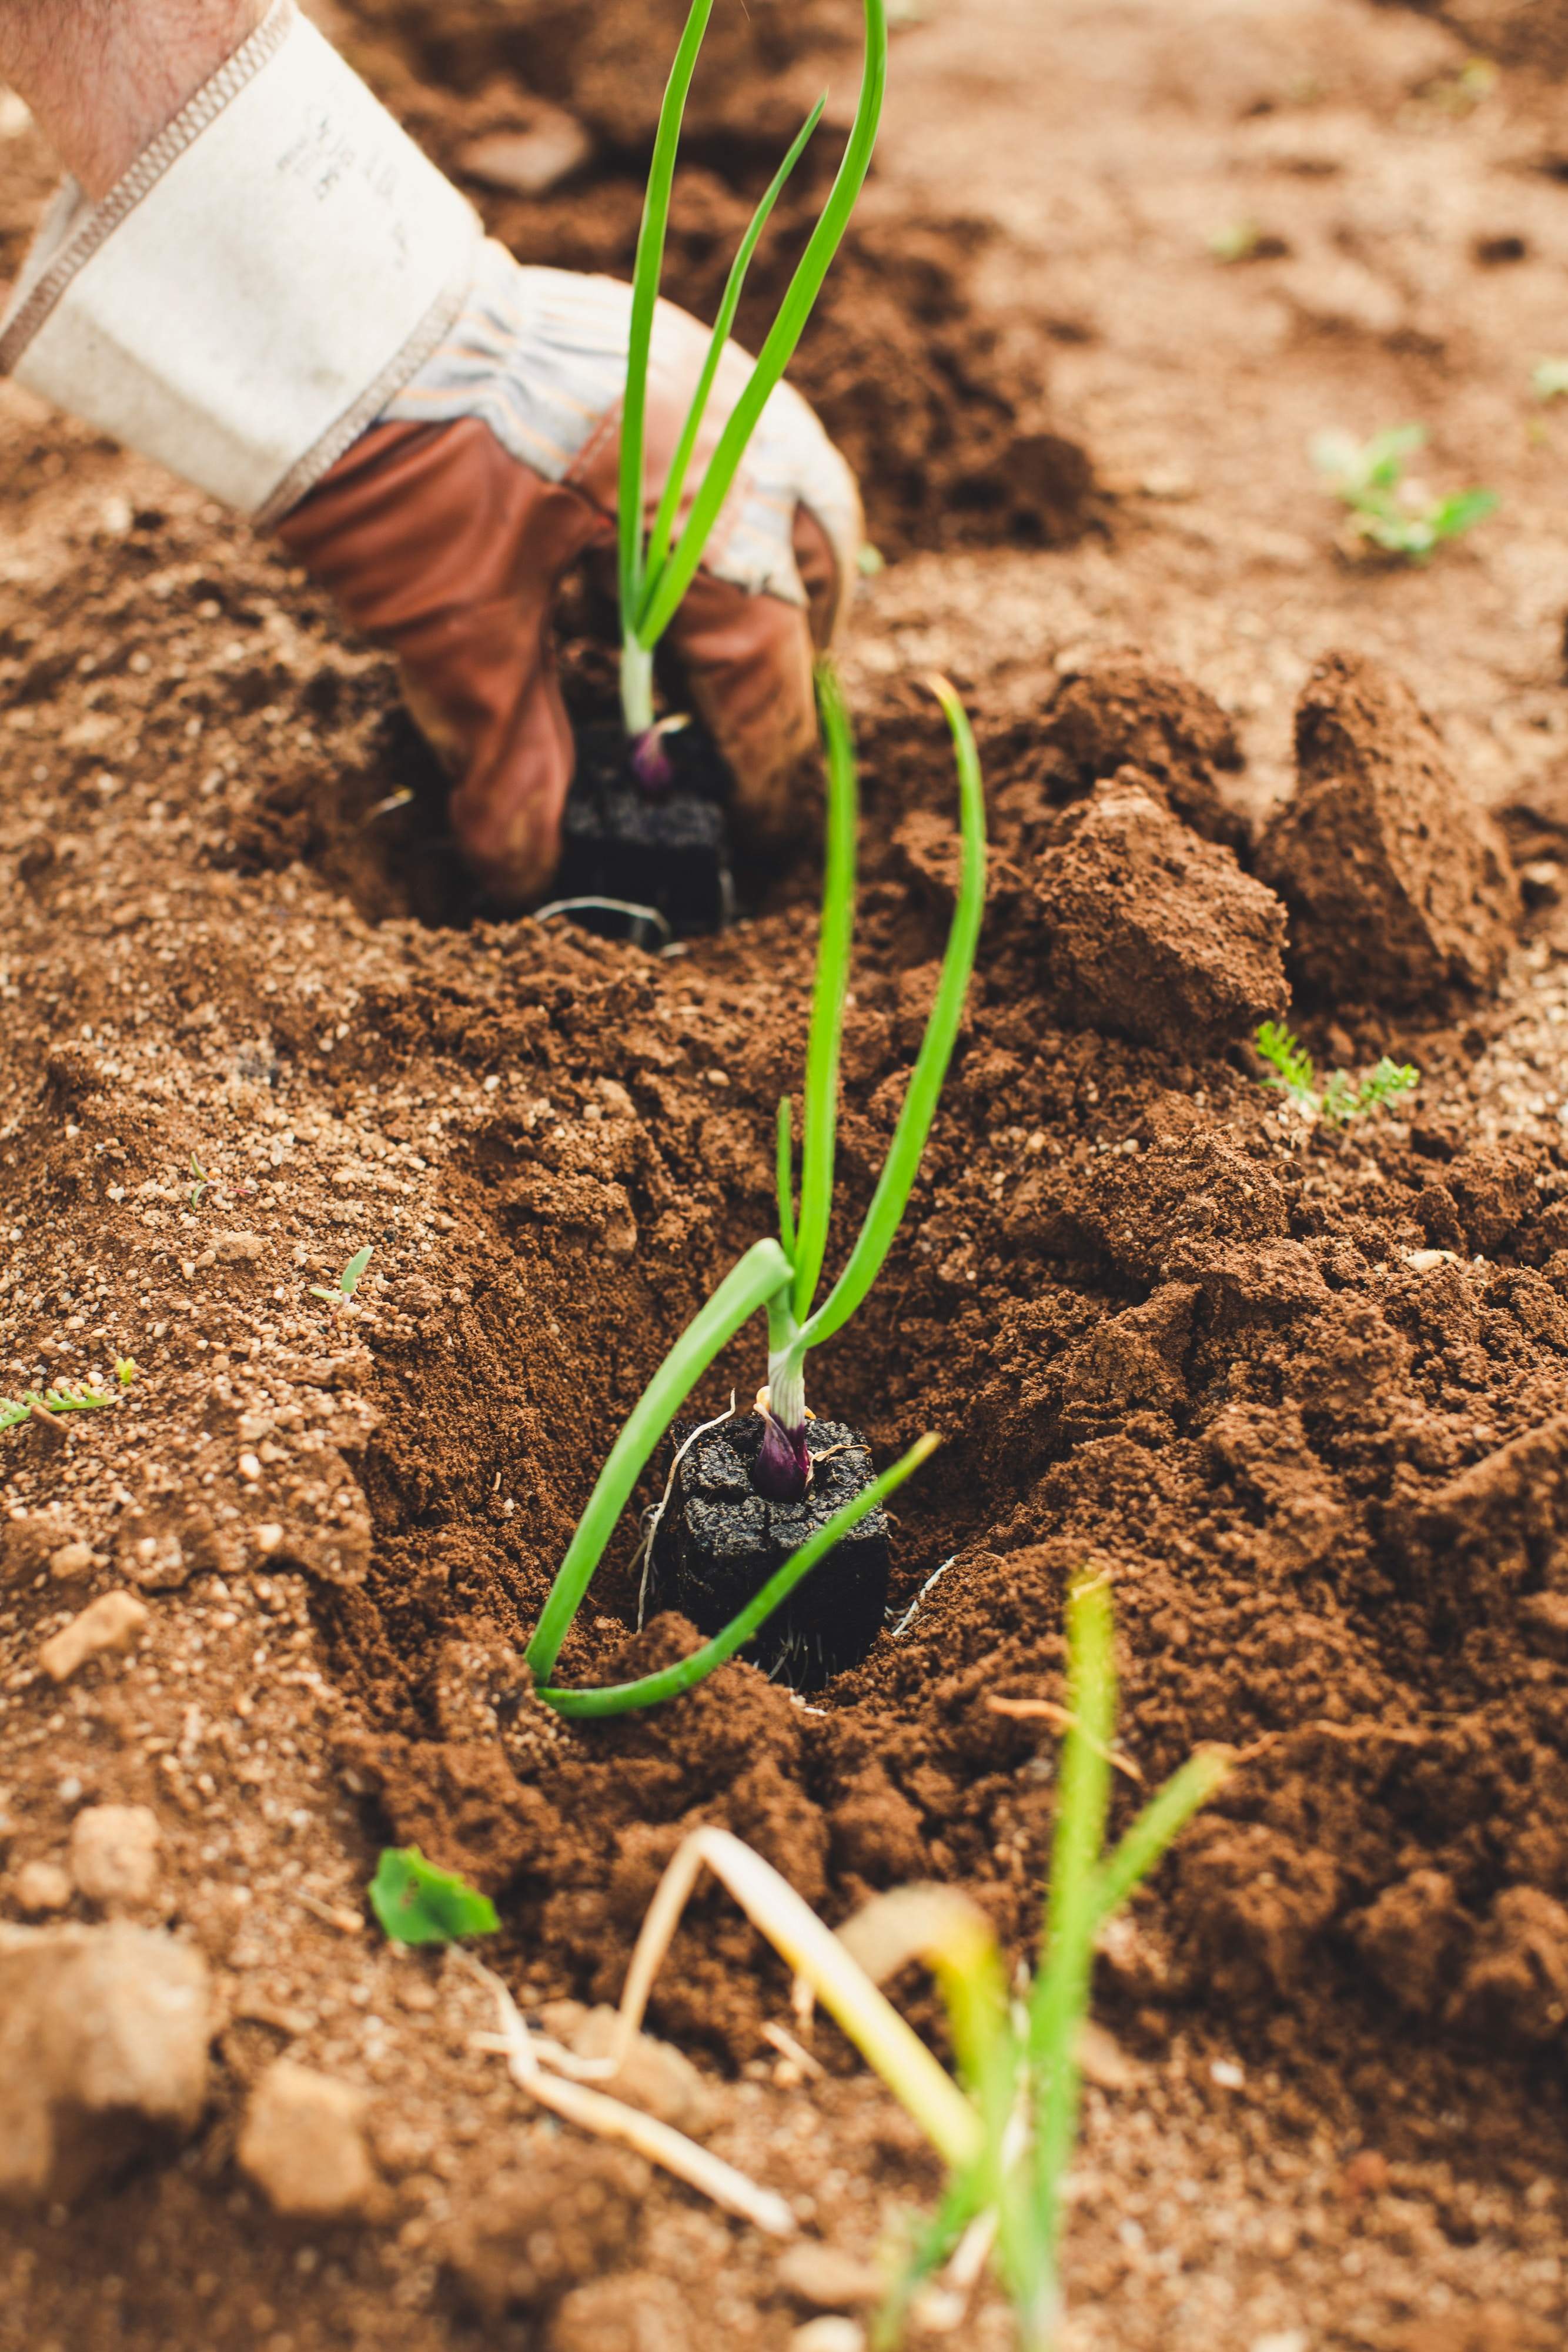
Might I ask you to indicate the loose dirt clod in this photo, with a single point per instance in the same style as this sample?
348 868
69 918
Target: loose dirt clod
1152 931
1121 712
1395 888
303 2145
103 2054
110 1623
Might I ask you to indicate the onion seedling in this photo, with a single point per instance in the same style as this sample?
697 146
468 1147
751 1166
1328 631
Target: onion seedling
1007 2129
781 1277
795 1323
656 568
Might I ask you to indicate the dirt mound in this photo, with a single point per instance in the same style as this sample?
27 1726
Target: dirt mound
1396 890
1123 711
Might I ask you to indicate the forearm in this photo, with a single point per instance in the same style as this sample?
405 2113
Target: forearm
103 76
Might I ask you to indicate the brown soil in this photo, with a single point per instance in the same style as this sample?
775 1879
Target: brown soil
1306 1394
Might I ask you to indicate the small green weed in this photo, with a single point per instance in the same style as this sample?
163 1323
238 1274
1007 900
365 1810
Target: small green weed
347 1281
59 1399
1549 379
1339 1098
203 1180
418 1903
1386 510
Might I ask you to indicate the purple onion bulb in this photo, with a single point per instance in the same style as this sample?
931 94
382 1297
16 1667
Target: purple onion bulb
783 1470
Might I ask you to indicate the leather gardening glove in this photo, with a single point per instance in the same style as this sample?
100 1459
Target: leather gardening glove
286 302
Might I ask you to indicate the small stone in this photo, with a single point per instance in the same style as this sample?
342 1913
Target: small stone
653 2075
635 2311
824 2278
249 1467
1102 2060
103 2054
71 1560
110 1623
238 1249
528 163
114 1854
41 1887
268 1536
303 2145
828 2335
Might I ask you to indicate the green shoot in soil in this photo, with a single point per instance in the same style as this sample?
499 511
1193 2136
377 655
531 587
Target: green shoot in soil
347 1281
781 1277
1399 516
1339 1098
656 572
417 1904
1023 2061
57 1399
1007 2136
1549 379
202 1179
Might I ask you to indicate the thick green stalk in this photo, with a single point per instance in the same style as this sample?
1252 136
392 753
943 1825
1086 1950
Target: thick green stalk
645 276
1061 1998
784 1163
760 1276
779 348
820 1110
651 1690
897 1179
680 464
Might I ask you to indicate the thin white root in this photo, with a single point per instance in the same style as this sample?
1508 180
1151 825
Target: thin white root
645 1549
814 1952
607 2118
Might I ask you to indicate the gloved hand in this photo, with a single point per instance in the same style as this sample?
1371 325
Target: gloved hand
286 303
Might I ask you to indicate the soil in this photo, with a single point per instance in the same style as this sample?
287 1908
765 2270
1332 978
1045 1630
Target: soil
1303 1392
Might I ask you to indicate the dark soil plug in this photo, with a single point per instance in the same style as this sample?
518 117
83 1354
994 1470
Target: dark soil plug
719 1541
668 849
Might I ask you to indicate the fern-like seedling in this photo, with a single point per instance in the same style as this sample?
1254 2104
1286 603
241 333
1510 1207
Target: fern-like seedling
59 1398
1340 1097
1388 510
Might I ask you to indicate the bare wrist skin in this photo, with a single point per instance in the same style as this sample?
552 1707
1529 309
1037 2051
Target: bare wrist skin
103 76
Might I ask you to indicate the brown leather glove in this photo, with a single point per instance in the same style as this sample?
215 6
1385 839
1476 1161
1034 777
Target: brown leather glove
445 532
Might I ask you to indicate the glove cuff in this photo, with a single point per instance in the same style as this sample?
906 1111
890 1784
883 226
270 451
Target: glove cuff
268 274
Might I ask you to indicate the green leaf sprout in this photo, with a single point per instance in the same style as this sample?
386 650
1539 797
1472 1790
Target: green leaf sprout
656 570
1549 379
347 1281
1387 510
418 1903
202 1179
1339 1098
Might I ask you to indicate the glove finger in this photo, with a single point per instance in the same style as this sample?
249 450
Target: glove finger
748 666
442 548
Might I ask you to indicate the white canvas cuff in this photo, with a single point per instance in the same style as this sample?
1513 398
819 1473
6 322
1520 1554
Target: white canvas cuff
540 356
245 301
